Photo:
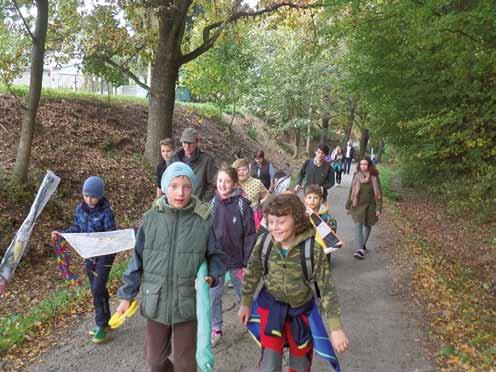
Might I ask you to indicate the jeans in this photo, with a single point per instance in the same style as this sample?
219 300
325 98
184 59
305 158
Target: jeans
362 233
216 297
338 176
347 165
98 270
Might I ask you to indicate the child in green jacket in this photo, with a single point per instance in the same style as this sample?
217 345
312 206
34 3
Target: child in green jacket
286 297
175 237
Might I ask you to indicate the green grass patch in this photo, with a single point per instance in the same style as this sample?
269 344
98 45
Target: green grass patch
389 181
207 109
51 93
14 327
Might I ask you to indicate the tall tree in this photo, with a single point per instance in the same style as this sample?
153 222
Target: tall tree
172 50
30 108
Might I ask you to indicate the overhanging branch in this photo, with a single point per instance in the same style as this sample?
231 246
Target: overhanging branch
28 30
208 41
126 71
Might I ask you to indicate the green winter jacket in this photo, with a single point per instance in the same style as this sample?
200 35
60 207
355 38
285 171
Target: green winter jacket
285 279
170 246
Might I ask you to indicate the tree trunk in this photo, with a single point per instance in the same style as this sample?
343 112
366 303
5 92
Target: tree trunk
309 132
325 129
164 76
364 139
380 151
351 120
33 99
296 151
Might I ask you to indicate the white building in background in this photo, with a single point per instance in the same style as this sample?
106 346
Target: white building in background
70 77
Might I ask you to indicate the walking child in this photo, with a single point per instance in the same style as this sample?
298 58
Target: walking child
166 152
94 214
287 297
175 237
235 235
315 201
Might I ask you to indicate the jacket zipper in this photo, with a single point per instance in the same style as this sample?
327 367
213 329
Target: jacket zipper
170 283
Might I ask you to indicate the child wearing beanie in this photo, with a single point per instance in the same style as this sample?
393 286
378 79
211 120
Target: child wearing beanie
176 236
94 214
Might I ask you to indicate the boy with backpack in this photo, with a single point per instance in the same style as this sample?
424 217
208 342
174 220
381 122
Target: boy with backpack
289 294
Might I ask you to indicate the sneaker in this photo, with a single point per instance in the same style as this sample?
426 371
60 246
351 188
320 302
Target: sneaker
216 335
360 254
99 336
93 331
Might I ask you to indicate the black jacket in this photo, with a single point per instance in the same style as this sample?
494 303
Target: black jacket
313 175
234 229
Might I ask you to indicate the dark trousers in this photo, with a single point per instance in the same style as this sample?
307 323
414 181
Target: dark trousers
98 270
160 339
347 165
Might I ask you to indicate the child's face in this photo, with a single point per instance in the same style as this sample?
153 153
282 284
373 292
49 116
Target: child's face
282 228
243 173
313 201
91 201
166 152
225 185
179 192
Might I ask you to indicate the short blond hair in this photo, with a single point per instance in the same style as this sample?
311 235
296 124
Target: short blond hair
240 163
167 142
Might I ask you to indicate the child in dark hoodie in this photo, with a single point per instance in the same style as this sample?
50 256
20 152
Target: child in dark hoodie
235 235
94 214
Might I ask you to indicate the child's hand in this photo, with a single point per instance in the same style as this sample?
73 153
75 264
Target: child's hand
339 341
244 314
377 213
123 306
297 188
209 280
55 234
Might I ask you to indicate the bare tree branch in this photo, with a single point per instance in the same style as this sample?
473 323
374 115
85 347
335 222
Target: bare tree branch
208 41
126 71
28 30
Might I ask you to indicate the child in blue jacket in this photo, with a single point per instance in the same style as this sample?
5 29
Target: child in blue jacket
94 214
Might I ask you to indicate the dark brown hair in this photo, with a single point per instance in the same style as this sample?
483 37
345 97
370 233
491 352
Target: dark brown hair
288 204
167 142
323 147
314 189
372 169
260 154
230 171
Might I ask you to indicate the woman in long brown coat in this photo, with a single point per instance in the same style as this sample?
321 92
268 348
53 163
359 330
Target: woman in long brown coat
364 203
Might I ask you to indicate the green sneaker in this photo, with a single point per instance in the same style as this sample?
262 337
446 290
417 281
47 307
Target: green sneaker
93 331
99 336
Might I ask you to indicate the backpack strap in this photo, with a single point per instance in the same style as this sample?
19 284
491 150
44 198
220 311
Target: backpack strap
307 263
266 248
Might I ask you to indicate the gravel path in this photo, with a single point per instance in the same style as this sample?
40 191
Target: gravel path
383 335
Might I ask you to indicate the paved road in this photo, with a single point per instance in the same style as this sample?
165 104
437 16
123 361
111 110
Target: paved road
379 324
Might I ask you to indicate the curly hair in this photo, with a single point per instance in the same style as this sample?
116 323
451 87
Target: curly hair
288 204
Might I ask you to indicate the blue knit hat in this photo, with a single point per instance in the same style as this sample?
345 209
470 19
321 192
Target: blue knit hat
94 187
175 170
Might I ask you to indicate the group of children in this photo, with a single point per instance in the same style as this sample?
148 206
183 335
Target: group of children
180 231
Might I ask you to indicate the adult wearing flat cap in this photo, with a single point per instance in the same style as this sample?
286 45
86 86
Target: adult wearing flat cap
203 164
